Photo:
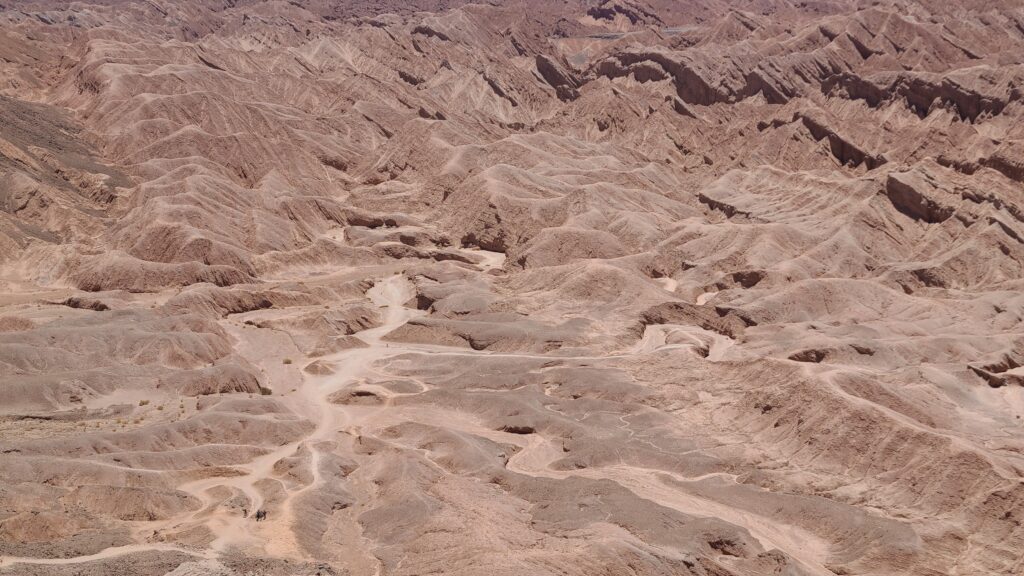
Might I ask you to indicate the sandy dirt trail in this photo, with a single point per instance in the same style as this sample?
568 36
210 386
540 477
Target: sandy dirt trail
233 531
351 366
810 551
107 553
311 403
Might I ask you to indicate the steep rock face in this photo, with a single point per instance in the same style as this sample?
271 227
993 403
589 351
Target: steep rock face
917 197
634 12
563 81
518 287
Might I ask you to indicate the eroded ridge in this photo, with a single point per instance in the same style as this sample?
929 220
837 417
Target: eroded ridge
592 287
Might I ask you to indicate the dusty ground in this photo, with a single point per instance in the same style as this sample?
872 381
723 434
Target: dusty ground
594 287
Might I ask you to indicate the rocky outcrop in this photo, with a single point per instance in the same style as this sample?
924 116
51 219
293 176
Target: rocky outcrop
916 197
723 321
565 83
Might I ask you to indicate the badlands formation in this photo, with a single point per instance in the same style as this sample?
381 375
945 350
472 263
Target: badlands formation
524 287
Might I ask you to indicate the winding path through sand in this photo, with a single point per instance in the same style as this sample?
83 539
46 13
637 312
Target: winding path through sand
233 530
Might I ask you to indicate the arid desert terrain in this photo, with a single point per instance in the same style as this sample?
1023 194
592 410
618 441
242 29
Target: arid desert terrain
511 288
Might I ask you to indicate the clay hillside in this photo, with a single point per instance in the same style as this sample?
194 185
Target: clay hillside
516 287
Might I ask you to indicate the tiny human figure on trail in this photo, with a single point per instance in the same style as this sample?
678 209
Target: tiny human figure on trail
245 512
